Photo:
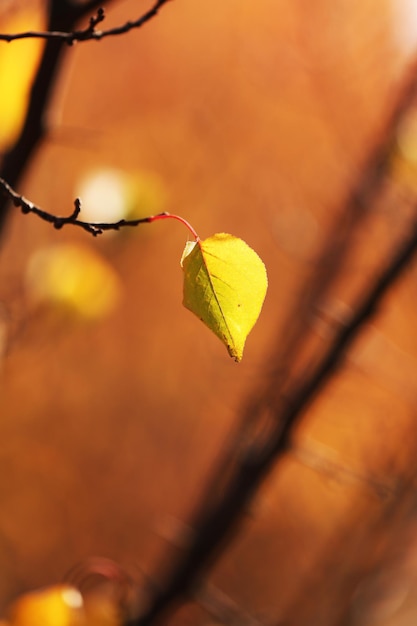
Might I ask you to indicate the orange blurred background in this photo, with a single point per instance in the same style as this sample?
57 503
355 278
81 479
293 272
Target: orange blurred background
248 118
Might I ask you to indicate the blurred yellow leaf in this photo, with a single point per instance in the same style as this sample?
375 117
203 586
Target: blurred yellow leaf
54 606
73 276
18 61
62 605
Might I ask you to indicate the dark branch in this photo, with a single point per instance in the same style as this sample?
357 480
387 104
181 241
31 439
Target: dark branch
63 15
94 228
90 31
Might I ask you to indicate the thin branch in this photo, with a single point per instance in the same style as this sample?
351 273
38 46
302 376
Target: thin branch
63 15
94 228
89 33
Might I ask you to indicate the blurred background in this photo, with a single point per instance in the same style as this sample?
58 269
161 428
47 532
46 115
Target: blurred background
249 118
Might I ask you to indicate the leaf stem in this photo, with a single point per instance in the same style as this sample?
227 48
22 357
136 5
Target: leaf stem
162 216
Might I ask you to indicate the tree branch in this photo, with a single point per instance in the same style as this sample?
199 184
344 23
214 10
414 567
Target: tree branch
90 32
94 228
63 15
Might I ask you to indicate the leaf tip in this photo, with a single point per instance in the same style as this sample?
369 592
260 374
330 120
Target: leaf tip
236 356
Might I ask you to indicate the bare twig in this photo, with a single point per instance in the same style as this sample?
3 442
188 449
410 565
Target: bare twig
63 15
94 228
89 33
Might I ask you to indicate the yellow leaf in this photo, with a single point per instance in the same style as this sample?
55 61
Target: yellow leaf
75 277
18 61
225 284
62 605
54 606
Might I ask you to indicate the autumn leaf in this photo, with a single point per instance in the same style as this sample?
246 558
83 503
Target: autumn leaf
17 65
225 284
60 605
74 277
